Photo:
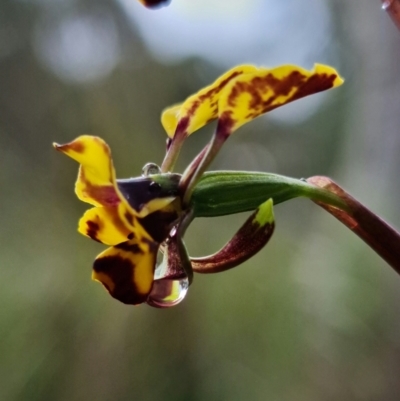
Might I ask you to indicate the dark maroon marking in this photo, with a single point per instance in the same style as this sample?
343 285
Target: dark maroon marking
259 85
181 128
77 147
129 218
225 124
120 272
211 92
153 246
285 85
316 83
158 224
92 230
140 191
280 87
195 105
126 246
131 236
105 194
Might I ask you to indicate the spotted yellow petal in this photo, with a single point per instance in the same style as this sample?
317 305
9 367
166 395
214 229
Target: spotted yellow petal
127 270
200 108
96 182
250 95
169 119
103 224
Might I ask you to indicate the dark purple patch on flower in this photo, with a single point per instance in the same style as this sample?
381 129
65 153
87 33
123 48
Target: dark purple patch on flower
119 272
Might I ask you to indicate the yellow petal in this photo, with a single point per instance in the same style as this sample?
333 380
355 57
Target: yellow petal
130 220
103 224
96 182
169 119
127 270
200 108
252 94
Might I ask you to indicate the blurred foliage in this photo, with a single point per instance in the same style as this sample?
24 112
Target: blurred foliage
313 317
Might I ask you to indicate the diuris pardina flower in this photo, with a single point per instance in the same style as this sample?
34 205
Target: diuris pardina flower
140 217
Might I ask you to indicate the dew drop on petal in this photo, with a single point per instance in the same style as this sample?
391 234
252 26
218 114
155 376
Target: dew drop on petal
167 292
171 283
150 169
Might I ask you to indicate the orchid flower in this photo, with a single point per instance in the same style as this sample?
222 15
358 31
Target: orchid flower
140 217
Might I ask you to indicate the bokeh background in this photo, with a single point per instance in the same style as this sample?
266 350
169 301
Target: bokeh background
314 316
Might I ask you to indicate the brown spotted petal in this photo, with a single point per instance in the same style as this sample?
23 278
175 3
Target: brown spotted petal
96 183
200 108
113 219
104 225
249 240
240 95
127 270
252 94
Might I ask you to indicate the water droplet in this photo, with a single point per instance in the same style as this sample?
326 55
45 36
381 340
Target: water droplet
173 231
150 169
167 293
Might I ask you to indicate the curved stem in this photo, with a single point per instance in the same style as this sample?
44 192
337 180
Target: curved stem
375 232
322 195
173 149
192 176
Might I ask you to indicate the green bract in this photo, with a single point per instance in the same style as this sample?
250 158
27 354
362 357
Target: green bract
220 193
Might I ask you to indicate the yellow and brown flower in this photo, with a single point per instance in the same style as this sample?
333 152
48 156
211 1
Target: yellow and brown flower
119 219
136 216
238 96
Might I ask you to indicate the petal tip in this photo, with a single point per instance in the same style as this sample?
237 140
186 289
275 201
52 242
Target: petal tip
265 214
58 146
330 70
76 146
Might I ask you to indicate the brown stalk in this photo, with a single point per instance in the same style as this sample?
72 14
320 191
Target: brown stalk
375 232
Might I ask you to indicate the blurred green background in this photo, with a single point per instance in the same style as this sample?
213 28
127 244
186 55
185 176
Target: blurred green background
314 316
